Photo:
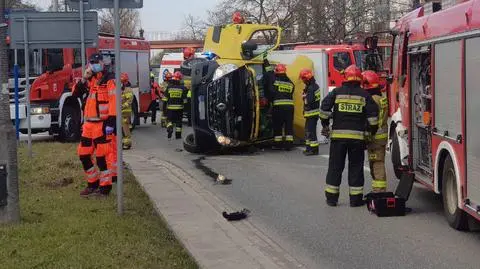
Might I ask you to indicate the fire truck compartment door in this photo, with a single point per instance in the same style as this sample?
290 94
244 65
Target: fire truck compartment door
448 84
472 94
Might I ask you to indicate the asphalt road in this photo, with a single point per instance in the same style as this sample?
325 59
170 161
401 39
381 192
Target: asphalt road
284 192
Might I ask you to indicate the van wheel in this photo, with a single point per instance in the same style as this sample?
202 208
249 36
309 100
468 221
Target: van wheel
455 216
70 130
396 160
134 118
190 145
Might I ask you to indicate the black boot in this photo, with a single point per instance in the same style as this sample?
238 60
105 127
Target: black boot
103 191
169 132
90 189
332 199
311 152
356 200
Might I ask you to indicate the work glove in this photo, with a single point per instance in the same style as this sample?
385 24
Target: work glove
109 130
326 131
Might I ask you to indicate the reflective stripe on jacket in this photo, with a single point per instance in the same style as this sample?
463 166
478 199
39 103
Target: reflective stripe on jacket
283 89
351 109
175 94
311 100
382 103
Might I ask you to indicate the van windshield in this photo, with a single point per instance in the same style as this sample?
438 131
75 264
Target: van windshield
265 40
368 61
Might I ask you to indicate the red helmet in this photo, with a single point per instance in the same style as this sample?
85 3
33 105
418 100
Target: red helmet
237 18
168 76
188 53
177 76
353 73
371 80
124 78
280 69
306 74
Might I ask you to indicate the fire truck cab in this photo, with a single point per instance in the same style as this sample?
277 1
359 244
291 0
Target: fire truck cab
434 101
342 56
53 108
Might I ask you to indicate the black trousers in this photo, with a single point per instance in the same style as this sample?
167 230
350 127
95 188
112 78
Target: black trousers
339 148
174 118
153 108
164 110
282 117
311 133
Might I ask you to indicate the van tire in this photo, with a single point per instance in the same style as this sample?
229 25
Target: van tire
456 217
190 145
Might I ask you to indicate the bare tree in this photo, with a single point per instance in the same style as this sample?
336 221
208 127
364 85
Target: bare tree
18 4
194 27
129 22
325 21
273 12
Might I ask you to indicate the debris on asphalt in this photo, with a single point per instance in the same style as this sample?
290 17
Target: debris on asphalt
218 178
221 179
178 150
234 216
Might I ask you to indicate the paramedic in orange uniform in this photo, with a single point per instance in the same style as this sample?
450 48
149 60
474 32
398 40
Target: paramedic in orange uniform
99 122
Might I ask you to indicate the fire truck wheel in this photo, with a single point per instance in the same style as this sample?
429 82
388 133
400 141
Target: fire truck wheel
70 130
190 145
456 217
396 161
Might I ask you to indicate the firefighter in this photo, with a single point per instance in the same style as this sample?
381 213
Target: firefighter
127 99
188 54
353 110
282 113
175 95
376 144
155 95
311 97
166 82
99 122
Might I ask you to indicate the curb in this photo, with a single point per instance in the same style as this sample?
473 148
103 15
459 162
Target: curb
194 215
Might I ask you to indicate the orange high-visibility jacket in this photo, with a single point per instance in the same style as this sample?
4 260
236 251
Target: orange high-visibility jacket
101 101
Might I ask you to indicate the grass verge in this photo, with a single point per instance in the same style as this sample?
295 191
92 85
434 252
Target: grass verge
61 230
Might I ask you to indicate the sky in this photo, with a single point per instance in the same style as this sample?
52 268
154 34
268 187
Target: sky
168 15
163 15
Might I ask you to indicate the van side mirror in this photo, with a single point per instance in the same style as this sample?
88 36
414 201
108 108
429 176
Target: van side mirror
248 47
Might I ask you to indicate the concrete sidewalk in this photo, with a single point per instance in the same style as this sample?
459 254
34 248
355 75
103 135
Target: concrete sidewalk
194 215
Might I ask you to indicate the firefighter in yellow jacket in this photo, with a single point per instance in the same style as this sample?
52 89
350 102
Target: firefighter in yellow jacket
127 99
376 145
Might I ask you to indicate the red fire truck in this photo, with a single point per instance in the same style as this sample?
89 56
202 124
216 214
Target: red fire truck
342 56
53 108
434 103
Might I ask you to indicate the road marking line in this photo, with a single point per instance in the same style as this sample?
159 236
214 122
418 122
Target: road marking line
366 168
